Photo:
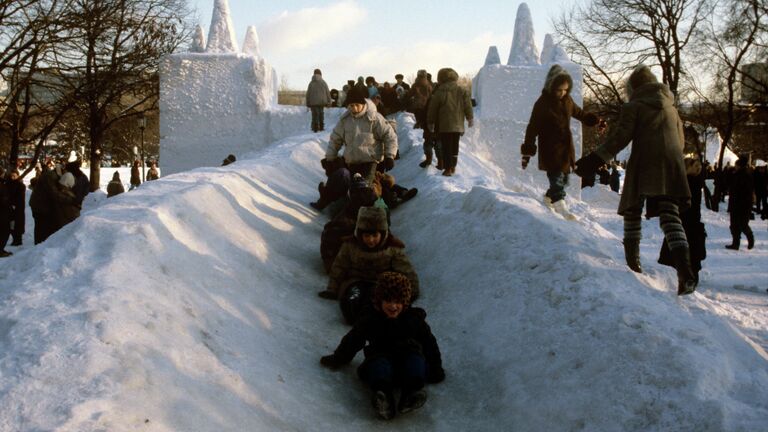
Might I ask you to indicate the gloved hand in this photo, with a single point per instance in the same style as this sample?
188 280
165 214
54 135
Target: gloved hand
525 161
331 361
435 375
389 163
588 165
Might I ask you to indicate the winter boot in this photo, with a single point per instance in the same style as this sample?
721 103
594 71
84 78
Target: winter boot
384 404
632 255
439 163
321 203
560 207
447 172
750 238
736 235
410 193
412 400
686 281
427 162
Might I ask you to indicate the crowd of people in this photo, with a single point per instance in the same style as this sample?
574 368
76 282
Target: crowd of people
58 189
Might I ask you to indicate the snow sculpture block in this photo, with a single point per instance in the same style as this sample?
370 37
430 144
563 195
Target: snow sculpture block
551 53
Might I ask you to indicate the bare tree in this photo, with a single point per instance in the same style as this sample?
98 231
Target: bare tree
610 37
110 57
728 41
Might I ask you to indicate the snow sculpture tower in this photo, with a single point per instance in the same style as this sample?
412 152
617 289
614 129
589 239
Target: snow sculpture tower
505 95
492 57
524 50
198 40
221 36
251 44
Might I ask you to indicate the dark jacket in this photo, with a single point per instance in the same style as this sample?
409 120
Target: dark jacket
135 176
317 92
42 201
740 196
379 336
551 123
695 231
115 186
655 167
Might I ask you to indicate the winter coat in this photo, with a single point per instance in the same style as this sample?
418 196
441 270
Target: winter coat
317 92
115 187
740 196
655 167
355 263
42 200
379 336
67 206
417 97
550 122
17 196
450 104
153 174
135 176
368 138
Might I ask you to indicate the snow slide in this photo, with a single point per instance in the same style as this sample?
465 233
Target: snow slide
190 305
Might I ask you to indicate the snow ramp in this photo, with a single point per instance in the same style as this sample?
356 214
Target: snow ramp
190 305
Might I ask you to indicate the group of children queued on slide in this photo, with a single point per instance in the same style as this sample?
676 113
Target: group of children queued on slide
370 274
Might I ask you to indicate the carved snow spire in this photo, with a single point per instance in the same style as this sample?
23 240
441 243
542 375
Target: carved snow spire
524 51
251 44
552 53
492 57
221 36
198 41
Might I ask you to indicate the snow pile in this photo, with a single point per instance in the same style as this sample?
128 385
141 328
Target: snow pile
190 304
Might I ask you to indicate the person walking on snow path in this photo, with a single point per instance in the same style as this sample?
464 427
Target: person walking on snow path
740 199
655 176
449 106
550 123
318 97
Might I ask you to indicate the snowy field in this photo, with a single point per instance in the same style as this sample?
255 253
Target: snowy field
190 304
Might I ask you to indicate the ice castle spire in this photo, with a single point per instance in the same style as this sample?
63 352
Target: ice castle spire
524 51
221 36
251 44
551 53
198 40
492 57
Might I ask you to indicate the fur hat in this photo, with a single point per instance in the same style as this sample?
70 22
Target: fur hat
371 219
317 72
356 96
555 76
640 76
392 287
446 75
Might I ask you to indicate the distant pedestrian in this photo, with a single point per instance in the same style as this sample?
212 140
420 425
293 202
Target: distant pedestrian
5 213
615 180
449 107
318 97
153 173
18 215
115 186
740 199
229 159
135 175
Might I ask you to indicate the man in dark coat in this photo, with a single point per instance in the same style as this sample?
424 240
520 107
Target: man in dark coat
115 186
43 204
17 195
551 123
655 176
740 199
135 175
5 214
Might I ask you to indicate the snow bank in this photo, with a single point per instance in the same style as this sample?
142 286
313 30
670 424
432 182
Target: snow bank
189 304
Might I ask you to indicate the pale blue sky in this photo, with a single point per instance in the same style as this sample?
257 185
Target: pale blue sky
348 38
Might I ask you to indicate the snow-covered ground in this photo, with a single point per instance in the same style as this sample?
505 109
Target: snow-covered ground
190 304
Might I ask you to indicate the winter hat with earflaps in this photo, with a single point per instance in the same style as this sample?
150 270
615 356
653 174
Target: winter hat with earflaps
392 287
371 219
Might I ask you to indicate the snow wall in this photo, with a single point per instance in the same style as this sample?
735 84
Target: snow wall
212 105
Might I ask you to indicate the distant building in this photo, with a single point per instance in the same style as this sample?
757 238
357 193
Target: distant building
754 83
